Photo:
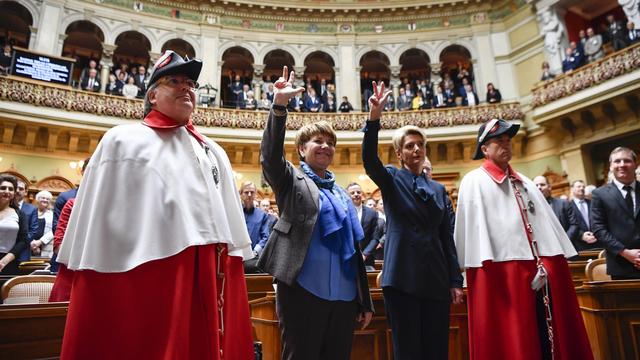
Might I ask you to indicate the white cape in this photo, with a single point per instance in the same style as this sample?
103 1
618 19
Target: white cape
148 195
489 226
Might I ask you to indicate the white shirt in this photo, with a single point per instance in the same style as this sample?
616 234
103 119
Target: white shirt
633 185
359 211
8 231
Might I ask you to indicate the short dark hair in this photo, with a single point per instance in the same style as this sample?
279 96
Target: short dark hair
577 181
14 181
353 184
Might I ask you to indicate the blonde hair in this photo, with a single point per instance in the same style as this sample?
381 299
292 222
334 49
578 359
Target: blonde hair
247 184
310 130
400 134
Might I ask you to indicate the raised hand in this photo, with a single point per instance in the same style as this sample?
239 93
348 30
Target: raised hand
283 89
377 101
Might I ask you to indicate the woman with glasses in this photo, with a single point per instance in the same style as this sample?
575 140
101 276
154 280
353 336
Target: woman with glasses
420 275
13 226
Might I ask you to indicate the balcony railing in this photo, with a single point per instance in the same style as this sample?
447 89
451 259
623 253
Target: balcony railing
611 66
64 98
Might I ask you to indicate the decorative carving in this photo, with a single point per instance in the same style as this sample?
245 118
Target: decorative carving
55 183
42 94
614 65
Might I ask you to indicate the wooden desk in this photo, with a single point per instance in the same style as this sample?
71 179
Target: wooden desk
32 330
577 269
611 312
373 343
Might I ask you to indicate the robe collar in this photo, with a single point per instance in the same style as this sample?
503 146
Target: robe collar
158 120
497 174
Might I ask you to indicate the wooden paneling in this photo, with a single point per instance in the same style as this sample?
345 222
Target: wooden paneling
611 312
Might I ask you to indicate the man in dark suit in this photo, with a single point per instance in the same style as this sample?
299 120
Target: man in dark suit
404 101
615 216
31 213
633 34
584 240
141 79
562 208
91 83
570 62
369 221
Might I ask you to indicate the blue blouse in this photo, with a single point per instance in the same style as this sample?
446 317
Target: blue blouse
330 267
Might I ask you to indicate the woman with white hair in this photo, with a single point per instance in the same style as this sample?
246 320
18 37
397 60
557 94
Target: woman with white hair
43 246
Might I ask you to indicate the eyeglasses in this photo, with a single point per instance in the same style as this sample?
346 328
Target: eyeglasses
173 81
5 188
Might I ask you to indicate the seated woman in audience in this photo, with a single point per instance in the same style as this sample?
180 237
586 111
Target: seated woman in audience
493 94
313 251
43 246
421 275
130 90
13 227
418 101
546 72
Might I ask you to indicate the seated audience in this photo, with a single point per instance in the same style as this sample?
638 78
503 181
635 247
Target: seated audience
112 86
250 103
493 94
449 97
345 105
84 74
296 103
42 243
570 63
418 101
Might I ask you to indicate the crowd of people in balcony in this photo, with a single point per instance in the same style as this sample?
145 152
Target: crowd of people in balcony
126 80
591 45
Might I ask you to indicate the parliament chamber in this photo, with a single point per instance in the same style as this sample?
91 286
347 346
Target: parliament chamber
53 118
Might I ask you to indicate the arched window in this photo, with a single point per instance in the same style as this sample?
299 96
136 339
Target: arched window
319 67
181 47
237 67
374 66
456 67
15 21
83 43
132 49
415 65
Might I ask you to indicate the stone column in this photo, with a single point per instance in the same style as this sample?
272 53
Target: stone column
33 38
258 70
60 44
299 75
217 81
47 41
338 92
395 81
349 84
554 31
107 63
210 55
484 65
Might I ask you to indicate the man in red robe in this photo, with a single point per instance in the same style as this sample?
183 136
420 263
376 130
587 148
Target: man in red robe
156 238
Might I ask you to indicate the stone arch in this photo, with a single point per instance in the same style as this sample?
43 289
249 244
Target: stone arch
319 66
97 21
170 36
367 49
180 46
129 49
237 71
15 22
415 64
287 48
465 44
374 65
84 43
455 59
431 54
328 50
231 44
123 28
273 62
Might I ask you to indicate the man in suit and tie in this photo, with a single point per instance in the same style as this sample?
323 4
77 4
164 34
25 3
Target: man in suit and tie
141 80
91 83
404 101
369 221
31 213
615 216
561 208
633 34
585 240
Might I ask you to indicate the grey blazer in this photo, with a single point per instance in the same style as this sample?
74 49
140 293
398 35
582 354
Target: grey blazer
297 197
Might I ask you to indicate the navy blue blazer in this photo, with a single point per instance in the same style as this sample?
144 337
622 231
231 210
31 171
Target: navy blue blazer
582 228
60 201
369 222
616 227
565 214
30 212
420 258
